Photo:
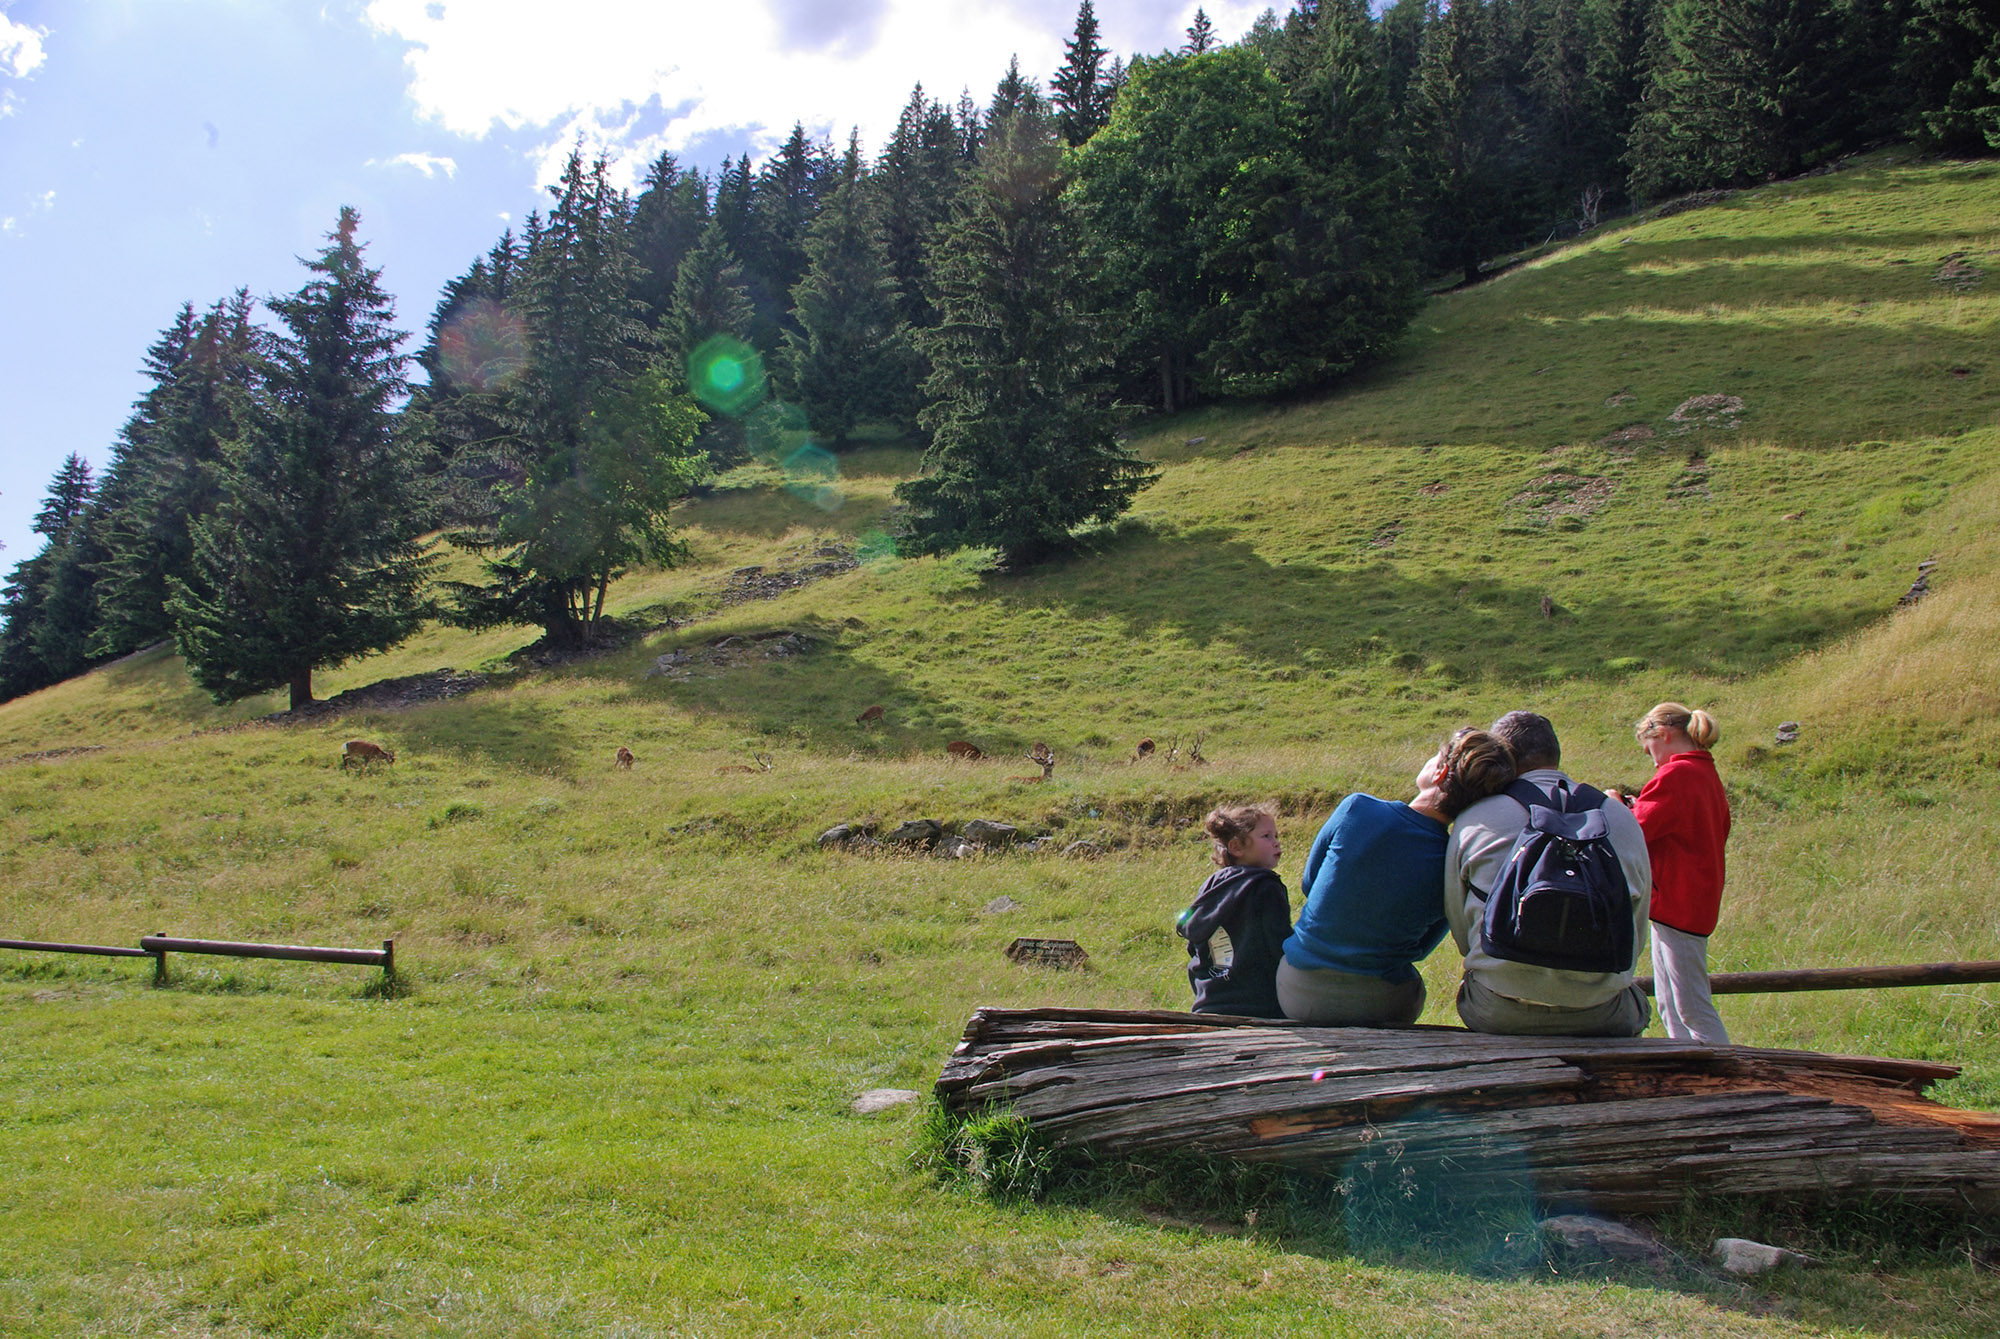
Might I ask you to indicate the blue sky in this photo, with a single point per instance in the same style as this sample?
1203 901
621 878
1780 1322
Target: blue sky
155 152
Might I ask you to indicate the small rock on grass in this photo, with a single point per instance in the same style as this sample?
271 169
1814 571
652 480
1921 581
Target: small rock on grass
999 904
1083 850
1584 1237
921 831
883 1099
838 835
1740 1255
987 832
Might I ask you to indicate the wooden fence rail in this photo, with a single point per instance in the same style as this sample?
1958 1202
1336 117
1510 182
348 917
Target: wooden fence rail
1847 978
157 947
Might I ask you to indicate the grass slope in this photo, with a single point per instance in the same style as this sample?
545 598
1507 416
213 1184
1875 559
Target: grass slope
615 1102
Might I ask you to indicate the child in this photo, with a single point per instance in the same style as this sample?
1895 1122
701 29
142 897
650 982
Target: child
1237 926
1685 816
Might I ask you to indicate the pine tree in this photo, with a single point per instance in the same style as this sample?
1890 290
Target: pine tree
668 220
1200 35
710 297
311 556
600 431
163 474
1081 100
849 359
786 199
1015 94
1023 447
1951 64
1741 90
917 178
43 638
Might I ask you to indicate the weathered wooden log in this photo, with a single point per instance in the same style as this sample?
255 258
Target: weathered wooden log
1618 1124
1847 978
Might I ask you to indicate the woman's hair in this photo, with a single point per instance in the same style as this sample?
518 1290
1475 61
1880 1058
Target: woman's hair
1699 725
1230 822
1473 765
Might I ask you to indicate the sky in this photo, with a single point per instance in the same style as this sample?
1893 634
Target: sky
156 152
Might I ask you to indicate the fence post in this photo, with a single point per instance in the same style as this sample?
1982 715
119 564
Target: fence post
160 964
388 962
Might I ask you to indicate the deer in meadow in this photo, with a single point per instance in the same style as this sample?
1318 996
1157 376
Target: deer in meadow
623 758
870 716
363 752
1040 756
1145 749
963 751
763 761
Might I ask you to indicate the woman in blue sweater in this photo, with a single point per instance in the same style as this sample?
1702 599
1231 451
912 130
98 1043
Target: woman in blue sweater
1374 905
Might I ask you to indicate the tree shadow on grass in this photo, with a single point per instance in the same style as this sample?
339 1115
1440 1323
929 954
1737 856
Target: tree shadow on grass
1214 589
503 730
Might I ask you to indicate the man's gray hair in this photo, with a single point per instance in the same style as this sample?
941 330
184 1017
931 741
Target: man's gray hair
1531 738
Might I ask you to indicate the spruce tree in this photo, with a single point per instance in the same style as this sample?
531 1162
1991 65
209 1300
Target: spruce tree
849 359
1951 75
710 297
916 180
163 474
311 557
1015 94
1078 91
43 629
1023 430
1200 35
1464 139
1741 90
598 447
668 220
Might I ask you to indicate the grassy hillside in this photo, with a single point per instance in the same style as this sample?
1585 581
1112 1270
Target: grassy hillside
614 1100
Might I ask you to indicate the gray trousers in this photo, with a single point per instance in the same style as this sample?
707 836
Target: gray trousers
1680 987
1623 1015
1329 998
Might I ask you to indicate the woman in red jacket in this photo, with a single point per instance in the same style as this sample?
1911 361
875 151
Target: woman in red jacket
1685 816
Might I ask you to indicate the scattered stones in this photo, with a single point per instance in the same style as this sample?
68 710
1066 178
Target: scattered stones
1082 851
1788 732
1708 411
882 1099
1196 441
998 905
1957 272
1620 400
1583 1237
1740 1255
1562 493
390 695
728 652
1385 536
1921 586
755 583
1698 200
1434 490
916 832
1630 435
840 834
1691 482
986 832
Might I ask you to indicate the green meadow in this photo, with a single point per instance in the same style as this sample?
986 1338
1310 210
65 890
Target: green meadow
609 1095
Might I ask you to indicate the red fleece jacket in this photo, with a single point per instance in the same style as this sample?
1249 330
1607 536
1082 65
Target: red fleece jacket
1685 817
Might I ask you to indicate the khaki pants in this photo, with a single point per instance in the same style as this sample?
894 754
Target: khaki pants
1329 998
1623 1015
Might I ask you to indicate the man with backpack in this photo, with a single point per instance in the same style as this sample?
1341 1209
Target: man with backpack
1547 886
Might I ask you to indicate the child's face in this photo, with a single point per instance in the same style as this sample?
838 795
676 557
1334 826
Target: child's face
1259 850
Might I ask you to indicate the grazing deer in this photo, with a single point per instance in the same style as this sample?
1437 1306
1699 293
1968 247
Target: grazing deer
624 758
872 714
1194 758
363 752
1145 749
963 751
1041 756
1548 607
763 761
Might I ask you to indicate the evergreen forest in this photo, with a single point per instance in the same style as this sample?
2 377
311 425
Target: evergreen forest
1005 283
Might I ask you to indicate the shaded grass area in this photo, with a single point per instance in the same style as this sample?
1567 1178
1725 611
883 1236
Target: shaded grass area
615 1099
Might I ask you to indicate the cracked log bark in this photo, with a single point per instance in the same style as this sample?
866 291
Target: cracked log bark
1617 1125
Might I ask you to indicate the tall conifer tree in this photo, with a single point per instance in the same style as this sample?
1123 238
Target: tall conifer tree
311 557
1023 446
1081 100
849 359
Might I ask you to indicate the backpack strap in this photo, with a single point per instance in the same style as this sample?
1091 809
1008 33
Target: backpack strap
1528 795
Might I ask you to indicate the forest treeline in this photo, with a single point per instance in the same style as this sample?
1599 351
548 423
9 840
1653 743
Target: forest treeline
1002 281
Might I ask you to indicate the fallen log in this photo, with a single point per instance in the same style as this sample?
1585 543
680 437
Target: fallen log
1611 1124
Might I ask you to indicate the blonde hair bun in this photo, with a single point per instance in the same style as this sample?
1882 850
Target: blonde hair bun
1699 726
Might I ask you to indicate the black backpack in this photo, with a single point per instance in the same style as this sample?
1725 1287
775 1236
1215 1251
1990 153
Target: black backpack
1561 899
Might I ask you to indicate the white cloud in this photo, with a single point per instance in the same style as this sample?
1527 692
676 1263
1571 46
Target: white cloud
633 77
21 52
428 164
45 201
9 102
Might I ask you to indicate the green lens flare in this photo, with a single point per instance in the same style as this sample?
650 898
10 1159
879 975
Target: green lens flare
726 375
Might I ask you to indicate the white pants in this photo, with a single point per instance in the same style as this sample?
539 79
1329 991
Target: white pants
1680 987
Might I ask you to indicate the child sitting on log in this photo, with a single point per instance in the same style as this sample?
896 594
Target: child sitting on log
1236 929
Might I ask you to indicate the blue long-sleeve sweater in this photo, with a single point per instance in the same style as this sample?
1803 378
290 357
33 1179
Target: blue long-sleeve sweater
1373 885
